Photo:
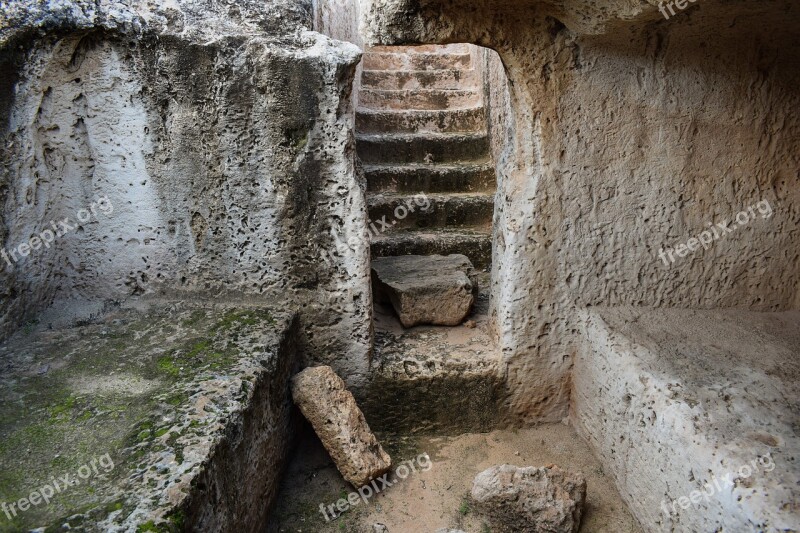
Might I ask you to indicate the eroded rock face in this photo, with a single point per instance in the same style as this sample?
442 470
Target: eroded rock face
426 289
530 499
332 411
653 376
583 211
221 134
188 403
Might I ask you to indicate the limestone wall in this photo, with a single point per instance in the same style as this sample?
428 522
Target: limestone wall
338 19
631 133
219 139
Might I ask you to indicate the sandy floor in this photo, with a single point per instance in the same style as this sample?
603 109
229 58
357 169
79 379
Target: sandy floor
436 498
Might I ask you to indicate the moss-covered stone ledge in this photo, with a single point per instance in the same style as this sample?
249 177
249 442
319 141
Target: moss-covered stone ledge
164 417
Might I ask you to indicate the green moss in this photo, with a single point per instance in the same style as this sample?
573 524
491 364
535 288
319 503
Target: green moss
86 415
167 365
63 410
28 328
198 349
194 318
177 520
465 507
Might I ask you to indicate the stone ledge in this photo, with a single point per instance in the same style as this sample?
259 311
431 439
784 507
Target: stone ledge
438 380
189 402
673 400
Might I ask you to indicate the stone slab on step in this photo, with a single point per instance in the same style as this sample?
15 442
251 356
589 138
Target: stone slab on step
432 289
430 178
530 499
403 211
419 99
695 414
423 148
331 409
416 61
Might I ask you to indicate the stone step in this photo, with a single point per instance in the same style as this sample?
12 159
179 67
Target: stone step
412 80
475 243
456 48
421 211
416 61
422 99
430 178
442 121
423 148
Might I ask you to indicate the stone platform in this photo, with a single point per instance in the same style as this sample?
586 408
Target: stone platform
161 417
435 379
696 414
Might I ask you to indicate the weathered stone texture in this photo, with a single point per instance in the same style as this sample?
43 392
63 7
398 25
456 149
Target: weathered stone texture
426 289
707 403
222 135
629 133
530 499
332 411
190 403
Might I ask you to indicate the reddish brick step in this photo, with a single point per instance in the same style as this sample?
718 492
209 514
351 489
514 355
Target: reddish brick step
423 99
452 120
420 79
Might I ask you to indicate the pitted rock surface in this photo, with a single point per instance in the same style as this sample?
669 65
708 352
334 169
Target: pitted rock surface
432 289
332 411
530 499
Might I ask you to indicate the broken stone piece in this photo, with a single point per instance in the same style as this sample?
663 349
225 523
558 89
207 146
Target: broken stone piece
332 411
530 499
426 289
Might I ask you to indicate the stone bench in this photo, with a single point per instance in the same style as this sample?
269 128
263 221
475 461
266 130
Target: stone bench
695 414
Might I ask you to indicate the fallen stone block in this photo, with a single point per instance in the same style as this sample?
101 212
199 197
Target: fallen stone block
530 499
426 289
332 411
